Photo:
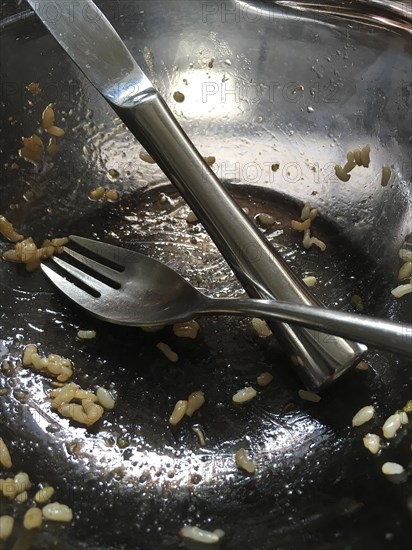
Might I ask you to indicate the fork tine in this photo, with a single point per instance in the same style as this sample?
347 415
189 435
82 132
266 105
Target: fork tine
99 268
106 251
88 280
78 295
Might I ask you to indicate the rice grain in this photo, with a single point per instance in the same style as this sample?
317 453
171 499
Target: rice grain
244 395
8 231
310 281
5 458
244 462
6 526
57 512
363 415
392 468
178 413
264 379
167 352
105 398
405 272
309 396
188 329
200 536
86 334
22 482
32 518
391 425
341 174
402 290
194 402
261 328
372 443
44 495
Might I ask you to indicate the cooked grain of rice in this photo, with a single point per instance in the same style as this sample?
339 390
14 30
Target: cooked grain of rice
310 281
200 435
365 155
266 219
22 481
244 395
55 131
43 495
48 117
29 350
408 407
6 526
309 241
372 443
405 255
309 396
105 398
392 468
264 379
358 157
8 231
5 458
261 328
405 272
86 334
210 160
305 213
402 290
341 174
363 415
188 329
57 512
391 425
178 413
32 148
194 402
167 352
301 226
244 462
111 195
350 163
97 193
146 157
32 518
200 535
21 497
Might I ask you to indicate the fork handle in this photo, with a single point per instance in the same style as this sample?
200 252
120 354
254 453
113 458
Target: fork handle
258 266
386 335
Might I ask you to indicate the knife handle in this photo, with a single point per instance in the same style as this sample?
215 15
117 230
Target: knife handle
318 358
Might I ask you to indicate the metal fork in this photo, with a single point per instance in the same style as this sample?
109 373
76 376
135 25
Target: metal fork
138 290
